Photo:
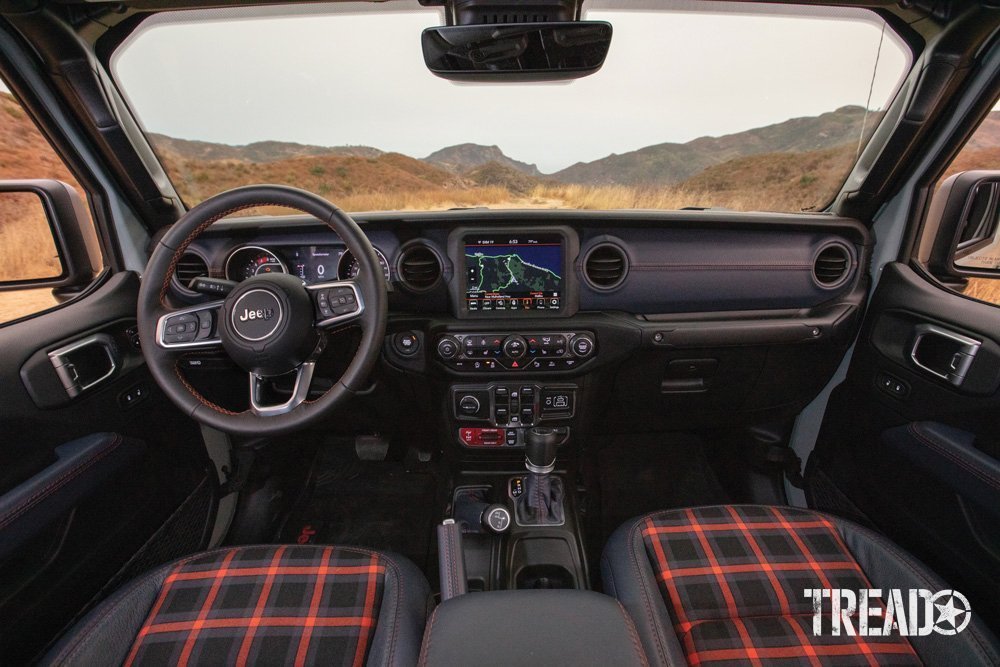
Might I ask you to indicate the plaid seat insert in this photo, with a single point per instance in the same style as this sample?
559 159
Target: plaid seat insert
733 579
287 605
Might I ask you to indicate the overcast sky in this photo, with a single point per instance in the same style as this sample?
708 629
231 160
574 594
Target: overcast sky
360 79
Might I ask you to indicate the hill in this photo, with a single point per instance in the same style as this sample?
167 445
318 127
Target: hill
335 177
26 154
261 151
795 180
496 174
465 157
672 163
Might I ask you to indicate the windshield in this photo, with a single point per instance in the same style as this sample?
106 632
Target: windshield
757 110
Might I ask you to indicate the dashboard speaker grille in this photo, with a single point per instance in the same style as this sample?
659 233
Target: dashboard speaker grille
832 265
189 267
605 266
419 268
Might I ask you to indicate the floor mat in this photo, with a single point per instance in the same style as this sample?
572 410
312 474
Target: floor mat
645 473
376 505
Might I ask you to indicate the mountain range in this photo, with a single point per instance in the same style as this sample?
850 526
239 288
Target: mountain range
659 164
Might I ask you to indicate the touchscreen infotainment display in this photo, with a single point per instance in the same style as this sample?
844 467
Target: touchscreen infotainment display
514 273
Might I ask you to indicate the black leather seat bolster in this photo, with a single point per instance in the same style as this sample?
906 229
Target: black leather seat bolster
406 604
106 634
536 627
887 566
628 576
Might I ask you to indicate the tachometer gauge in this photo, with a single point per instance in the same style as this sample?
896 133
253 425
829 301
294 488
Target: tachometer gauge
250 261
349 268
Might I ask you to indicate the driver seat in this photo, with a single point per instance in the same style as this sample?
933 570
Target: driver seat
274 605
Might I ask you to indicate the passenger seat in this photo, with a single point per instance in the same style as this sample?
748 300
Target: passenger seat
725 585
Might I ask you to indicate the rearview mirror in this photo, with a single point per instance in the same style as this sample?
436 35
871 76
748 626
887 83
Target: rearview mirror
517 52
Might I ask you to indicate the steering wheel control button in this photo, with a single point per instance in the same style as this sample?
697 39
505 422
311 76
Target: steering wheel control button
497 518
256 315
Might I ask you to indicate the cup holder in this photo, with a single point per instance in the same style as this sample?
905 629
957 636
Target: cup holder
544 576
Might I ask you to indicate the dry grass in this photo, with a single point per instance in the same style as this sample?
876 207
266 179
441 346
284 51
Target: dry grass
24 302
984 289
608 197
27 251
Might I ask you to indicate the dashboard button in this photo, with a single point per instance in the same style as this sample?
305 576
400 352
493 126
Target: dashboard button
583 345
557 401
515 347
407 344
447 347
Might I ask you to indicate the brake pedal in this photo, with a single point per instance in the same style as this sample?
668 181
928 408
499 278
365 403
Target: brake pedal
371 447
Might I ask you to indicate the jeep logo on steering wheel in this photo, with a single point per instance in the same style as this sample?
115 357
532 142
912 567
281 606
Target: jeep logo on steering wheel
256 315
259 314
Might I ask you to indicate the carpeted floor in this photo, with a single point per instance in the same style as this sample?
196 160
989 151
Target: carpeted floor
378 505
645 473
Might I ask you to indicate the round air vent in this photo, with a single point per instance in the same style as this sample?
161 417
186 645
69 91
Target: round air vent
605 266
832 265
419 267
189 267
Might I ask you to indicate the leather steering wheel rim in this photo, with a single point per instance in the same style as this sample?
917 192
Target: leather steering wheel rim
153 305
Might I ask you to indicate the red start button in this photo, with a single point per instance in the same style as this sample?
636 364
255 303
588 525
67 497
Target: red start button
482 437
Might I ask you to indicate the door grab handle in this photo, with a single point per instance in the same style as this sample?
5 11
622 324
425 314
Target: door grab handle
76 371
952 357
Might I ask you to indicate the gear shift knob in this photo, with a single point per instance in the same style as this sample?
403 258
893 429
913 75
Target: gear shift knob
540 449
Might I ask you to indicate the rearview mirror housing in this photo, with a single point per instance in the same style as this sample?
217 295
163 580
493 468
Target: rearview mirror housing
550 51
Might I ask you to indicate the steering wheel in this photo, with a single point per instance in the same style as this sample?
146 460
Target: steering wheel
269 325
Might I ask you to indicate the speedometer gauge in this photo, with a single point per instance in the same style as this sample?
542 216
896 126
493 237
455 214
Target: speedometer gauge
349 268
250 261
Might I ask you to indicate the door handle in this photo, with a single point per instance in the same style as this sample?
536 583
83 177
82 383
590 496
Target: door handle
85 363
943 353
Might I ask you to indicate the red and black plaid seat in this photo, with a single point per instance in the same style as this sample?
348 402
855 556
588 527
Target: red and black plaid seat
266 605
725 585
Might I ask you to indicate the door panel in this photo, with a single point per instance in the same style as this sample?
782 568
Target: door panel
909 443
96 483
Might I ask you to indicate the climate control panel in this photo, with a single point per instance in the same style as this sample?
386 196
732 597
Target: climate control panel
506 352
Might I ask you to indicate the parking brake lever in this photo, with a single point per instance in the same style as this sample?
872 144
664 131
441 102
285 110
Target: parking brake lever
451 560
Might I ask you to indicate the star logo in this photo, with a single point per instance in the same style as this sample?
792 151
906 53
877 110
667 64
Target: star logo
953 612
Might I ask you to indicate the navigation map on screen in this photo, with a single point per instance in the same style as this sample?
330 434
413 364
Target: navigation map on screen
514 273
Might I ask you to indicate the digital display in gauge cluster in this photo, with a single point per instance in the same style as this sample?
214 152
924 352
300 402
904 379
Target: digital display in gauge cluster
314 264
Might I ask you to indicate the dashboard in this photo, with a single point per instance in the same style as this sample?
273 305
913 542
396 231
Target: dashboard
653 317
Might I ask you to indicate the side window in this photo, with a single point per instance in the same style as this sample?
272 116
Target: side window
30 254
975 243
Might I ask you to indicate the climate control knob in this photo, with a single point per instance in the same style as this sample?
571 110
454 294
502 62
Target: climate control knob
469 405
515 347
582 345
447 347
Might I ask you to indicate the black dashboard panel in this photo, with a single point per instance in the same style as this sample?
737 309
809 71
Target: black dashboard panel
677 262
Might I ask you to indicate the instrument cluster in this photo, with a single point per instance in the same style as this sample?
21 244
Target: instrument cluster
311 263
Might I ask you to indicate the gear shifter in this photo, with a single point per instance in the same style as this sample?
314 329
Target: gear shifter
541 504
